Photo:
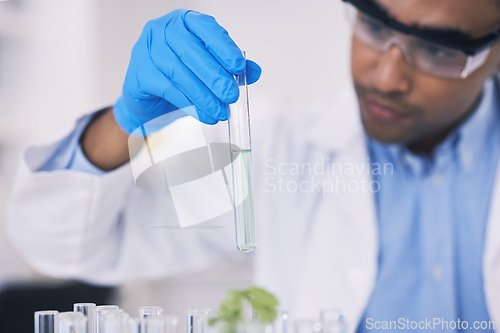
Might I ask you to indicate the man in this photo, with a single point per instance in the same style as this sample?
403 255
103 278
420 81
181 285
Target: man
418 247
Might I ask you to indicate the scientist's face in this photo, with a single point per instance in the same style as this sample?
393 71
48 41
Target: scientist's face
401 104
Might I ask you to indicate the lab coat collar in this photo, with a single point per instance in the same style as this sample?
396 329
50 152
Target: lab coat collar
336 129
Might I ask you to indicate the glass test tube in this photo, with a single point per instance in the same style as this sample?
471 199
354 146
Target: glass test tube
132 326
197 320
72 322
306 326
241 168
115 322
281 322
159 324
88 310
172 322
332 321
254 326
148 311
46 321
100 311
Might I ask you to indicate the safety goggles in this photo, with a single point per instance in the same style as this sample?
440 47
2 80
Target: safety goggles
435 52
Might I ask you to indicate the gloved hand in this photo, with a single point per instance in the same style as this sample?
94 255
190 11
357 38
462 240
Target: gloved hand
182 59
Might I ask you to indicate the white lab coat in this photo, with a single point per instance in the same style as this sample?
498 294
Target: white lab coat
316 250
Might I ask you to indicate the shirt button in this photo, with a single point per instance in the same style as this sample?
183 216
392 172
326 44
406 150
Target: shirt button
437 273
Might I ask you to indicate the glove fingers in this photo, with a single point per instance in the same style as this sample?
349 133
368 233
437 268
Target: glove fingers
167 62
148 83
161 86
200 61
217 41
253 72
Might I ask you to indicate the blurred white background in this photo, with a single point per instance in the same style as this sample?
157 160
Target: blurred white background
60 59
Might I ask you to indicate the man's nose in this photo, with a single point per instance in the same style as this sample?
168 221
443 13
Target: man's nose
392 72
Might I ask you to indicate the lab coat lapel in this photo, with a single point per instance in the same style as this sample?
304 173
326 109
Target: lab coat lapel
491 262
341 260
491 258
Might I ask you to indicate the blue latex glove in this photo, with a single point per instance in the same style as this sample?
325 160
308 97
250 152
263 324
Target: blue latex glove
182 59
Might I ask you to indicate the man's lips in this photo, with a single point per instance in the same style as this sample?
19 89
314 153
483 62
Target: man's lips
382 112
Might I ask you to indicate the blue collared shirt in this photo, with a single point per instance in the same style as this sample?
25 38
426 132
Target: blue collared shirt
432 216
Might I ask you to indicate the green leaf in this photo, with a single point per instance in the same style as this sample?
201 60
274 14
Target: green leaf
230 310
264 305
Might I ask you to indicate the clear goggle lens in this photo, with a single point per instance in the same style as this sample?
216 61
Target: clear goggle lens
428 57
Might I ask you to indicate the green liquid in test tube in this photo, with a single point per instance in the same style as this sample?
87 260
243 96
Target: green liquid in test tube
241 167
